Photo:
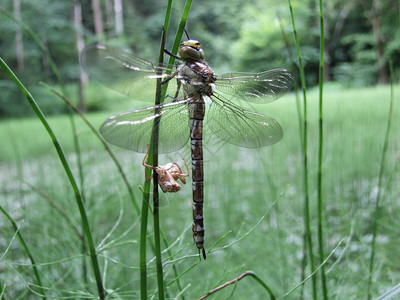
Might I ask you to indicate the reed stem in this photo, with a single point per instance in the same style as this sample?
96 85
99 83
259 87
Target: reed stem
320 153
378 205
307 225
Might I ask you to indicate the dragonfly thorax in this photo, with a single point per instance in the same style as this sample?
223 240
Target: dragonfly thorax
197 78
191 50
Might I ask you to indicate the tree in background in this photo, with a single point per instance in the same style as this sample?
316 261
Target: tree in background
361 37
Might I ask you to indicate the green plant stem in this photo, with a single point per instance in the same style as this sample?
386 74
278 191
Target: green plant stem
177 41
307 225
2 297
315 271
153 156
320 153
60 152
295 86
27 251
153 159
378 201
181 28
156 210
143 237
157 244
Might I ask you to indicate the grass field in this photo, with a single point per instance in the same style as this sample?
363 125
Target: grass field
254 201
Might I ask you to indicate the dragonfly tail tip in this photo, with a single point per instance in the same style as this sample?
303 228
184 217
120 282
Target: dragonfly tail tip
204 253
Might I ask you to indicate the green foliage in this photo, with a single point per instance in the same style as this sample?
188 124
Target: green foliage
260 42
392 51
364 67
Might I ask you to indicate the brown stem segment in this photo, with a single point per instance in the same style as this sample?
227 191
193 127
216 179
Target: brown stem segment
234 281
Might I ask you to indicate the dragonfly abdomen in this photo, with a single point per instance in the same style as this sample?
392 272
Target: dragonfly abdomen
197 110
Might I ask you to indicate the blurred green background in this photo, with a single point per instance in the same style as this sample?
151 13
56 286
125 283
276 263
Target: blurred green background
254 198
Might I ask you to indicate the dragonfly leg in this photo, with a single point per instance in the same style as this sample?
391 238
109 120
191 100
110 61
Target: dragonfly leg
177 89
148 179
169 77
147 166
187 34
180 174
187 168
172 55
176 93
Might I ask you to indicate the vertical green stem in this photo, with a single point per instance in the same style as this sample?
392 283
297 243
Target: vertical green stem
157 244
179 33
320 152
308 238
143 237
178 38
153 159
156 210
380 184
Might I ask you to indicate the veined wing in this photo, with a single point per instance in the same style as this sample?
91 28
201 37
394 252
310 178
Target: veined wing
124 72
240 127
133 129
263 87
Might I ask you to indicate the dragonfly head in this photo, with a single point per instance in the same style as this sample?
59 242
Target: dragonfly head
191 50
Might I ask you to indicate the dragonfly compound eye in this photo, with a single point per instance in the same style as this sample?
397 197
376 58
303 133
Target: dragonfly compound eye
191 49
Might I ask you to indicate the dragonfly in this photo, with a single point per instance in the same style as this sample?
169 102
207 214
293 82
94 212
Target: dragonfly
193 89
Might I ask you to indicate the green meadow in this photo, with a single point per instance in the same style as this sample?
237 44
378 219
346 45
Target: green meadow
254 207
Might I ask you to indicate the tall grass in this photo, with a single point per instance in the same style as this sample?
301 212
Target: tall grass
71 178
308 244
320 204
60 83
41 291
153 159
378 204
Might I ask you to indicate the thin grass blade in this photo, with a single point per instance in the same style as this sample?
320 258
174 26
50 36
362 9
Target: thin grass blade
27 251
378 202
320 153
308 237
67 169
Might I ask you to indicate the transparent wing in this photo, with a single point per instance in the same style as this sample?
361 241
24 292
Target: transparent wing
133 129
263 87
124 72
240 127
